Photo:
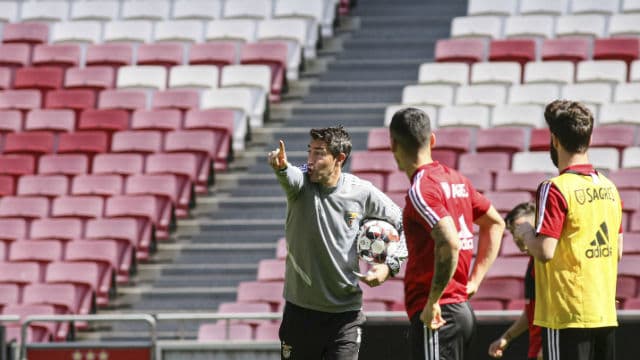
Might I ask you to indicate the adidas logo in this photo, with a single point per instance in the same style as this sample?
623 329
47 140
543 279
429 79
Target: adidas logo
600 245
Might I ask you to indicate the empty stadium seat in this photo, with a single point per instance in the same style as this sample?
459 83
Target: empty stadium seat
504 201
34 143
501 73
37 332
93 78
145 77
460 50
83 207
144 208
220 331
146 10
378 139
183 31
7 186
176 99
23 100
213 53
61 229
14 55
42 78
501 139
104 10
477 27
45 11
240 102
381 162
502 290
113 55
514 181
294 33
617 136
138 141
518 115
261 291
120 164
464 115
54 120
105 255
85 142
531 26
271 270
74 99
581 25
17 165
13 229
200 143
103 120
5 78
239 308
198 10
79 32
43 185
625 178
67 164
19 273
274 55
431 111
533 94
588 93
83 276
310 11
61 296
56 55
518 50
194 77
122 99
532 161
602 158
9 294
239 31
594 7
390 292
129 31
157 119
127 235
444 73
163 187
434 95
624 49
455 139
97 184
25 32
626 93
481 180
41 252
508 267
565 49
607 71
11 121
488 161
487 95
9 11
624 25
161 54
184 167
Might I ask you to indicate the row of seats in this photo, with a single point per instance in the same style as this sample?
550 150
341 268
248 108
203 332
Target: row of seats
319 12
551 7
546 26
526 50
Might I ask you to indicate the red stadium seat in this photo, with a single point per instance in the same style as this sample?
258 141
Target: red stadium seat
510 181
61 296
389 292
163 187
125 232
267 332
31 207
202 144
479 304
5 78
274 55
626 288
508 267
625 178
176 99
129 100
632 304
634 225
83 276
378 139
502 290
213 53
41 252
110 54
54 120
120 164
518 50
39 78
16 165
238 307
370 161
446 157
37 332
105 255
271 270
57 229
486 161
9 294
144 209
43 185
540 139
185 169
397 181
19 273
161 120
376 180
456 139
97 184
63 164
11 121
220 121
23 100
14 55
32 143
104 120
261 291
618 136
501 139
504 201
140 142
569 49
84 207
460 50
56 55
94 78
25 32
74 99
86 142
7 186
481 180
220 331
164 54
12 230
630 200
625 49
281 248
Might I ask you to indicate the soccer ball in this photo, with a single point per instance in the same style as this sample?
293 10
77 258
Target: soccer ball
376 239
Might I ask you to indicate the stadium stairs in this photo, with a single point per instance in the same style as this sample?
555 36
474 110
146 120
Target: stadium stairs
358 73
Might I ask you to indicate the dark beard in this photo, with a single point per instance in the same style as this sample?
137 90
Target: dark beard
553 153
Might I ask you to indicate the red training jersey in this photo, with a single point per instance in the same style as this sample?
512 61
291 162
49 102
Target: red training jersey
436 192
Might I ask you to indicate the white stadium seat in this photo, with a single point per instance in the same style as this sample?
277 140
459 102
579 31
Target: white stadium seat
431 111
194 77
581 25
505 73
255 78
598 7
627 93
477 27
247 9
620 113
8 11
237 100
543 7
179 30
624 25
604 158
518 115
537 26
128 31
631 157
239 30
630 6
549 72
635 71
464 115
488 95
45 11
444 73
535 94
532 161
606 71
309 11
594 94
293 32
495 7
142 77
102 10
153 10
197 9
434 95
77 32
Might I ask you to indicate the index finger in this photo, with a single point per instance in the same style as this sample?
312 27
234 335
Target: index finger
281 147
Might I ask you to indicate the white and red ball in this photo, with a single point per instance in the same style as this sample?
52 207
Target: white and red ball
376 239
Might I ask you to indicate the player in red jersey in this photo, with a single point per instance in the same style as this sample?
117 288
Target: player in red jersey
441 208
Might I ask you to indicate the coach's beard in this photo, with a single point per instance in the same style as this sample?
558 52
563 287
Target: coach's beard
553 153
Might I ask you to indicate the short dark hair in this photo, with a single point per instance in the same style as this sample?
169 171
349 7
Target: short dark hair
522 209
410 128
571 122
337 139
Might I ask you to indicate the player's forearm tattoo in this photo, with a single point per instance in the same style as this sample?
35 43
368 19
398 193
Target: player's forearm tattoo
446 258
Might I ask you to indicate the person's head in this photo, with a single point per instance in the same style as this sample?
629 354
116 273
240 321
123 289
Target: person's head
410 132
523 212
329 149
570 124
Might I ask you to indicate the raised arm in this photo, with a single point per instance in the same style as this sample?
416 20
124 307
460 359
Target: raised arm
490 237
290 177
446 248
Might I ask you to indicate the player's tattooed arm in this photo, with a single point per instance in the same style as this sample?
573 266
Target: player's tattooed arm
446 248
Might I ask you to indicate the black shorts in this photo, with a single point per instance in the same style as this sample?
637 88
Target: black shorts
313 335
579 343
451 341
